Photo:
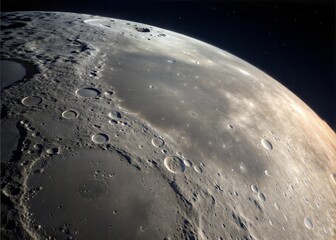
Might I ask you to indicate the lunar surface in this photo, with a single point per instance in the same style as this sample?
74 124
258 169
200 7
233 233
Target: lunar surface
112 129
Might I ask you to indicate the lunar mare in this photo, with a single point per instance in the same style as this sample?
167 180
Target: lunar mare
11 72
130 131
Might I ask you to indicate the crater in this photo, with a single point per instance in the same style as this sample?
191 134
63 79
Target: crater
174 164
157 142
266 144
142 29
69 114
88 92
333 176
31 101
99 138
308 223
114 114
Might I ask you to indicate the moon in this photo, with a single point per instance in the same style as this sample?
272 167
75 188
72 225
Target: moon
113 129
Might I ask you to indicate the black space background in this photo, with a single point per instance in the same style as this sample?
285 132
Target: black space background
292 41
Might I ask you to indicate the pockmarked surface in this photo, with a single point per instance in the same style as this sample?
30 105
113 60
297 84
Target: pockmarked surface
123 130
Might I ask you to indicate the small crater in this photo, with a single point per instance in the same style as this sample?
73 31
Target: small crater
198 169
333 176
142 29
188 163
308 223
266 144
193 114
157 142
88 92
31 101
261 197
112 121
53 151
114 114
254 188
143 228
108 93
276 206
